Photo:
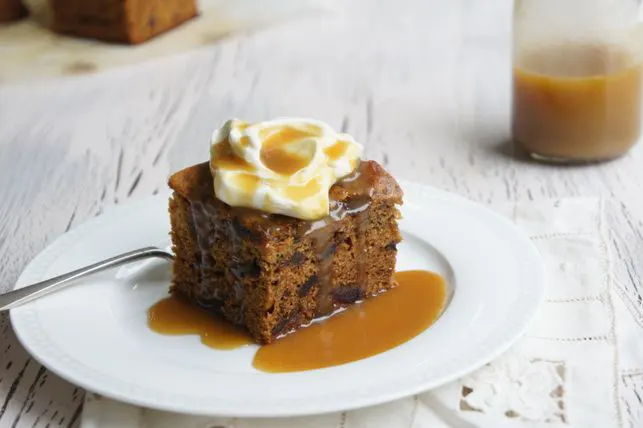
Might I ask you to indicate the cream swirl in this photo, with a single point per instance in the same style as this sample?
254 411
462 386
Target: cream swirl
282 166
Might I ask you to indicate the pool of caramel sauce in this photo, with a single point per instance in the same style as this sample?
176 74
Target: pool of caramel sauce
363 330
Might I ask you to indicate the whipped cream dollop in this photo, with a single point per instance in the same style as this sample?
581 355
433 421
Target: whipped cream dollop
282 166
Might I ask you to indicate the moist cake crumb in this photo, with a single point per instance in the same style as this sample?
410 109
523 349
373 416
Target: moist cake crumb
272 273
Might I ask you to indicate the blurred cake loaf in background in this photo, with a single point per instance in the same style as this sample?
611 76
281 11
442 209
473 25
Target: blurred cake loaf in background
122 21
10 10
68 37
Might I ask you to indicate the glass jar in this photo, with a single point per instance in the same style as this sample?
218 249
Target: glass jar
576 79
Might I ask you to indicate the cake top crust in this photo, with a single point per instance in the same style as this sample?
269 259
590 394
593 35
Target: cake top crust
369 179
369 183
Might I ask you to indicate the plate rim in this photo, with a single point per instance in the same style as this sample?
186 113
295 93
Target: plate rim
534 296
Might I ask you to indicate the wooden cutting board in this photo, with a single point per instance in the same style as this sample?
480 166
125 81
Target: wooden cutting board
29 49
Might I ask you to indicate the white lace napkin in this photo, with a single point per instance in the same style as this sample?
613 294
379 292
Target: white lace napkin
564 372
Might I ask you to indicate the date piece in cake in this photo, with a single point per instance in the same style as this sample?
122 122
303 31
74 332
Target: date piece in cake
121 21
273 273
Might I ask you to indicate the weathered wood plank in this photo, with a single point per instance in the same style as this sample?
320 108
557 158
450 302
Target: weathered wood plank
62 166
632 393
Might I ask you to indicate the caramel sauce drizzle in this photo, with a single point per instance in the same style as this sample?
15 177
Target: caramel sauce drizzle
174 316
321 231
324 246
247 183
275 154
226 159
337 150
299 193
363 330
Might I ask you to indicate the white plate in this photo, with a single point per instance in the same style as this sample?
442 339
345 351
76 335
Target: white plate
94 334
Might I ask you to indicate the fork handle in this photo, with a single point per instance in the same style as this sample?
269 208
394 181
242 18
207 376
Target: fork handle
23 295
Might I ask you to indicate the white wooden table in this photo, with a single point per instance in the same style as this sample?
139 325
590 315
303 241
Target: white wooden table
424 84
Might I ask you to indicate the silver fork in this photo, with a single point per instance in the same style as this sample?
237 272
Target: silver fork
26 294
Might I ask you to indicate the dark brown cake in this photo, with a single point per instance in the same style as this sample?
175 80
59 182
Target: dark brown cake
273 273
10 10
122 21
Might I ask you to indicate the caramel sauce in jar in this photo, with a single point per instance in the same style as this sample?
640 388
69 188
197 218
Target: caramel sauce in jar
576 102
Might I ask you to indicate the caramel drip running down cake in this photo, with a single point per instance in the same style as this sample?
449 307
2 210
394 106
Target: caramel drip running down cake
285 224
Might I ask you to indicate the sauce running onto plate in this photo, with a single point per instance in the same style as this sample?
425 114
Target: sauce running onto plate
173 316
363 330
